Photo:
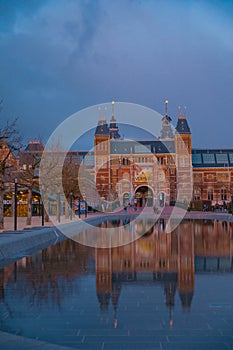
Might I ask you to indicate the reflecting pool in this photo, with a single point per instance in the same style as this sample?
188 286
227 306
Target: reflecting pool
162 291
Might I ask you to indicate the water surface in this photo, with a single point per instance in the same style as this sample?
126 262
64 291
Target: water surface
164 290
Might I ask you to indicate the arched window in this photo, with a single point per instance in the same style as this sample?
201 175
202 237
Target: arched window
125 161
197 194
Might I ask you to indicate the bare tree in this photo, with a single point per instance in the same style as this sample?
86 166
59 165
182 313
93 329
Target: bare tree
50 174
29 177
70 175
10 144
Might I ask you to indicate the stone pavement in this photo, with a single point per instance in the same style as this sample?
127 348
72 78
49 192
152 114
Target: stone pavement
166 212
14 342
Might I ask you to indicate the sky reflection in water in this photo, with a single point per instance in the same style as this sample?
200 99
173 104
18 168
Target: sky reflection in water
181 280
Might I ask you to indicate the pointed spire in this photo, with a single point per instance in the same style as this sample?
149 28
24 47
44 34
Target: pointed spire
166 107
178 110
99 109
114 131
182 116
166 131
113 117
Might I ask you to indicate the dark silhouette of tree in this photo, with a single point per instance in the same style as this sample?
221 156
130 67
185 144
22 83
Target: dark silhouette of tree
70 175
10 145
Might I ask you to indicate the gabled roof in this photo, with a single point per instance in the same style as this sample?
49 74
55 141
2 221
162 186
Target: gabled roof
102 127
34 146
182 126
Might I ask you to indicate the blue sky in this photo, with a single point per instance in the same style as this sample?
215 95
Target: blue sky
58 57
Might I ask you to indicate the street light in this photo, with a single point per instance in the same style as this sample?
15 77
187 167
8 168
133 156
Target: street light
79 208
15 206
71 203
42 205
85 206
231 204
58 207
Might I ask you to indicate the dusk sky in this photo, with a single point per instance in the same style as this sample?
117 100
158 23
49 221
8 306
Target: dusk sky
60 56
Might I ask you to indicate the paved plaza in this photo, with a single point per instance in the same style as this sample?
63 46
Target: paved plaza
37 221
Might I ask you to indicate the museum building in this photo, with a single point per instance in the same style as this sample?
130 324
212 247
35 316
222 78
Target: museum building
162 171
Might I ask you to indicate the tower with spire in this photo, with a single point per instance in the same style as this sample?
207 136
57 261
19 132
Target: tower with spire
113 128
166 131
183 130
102 139
183 150
102 157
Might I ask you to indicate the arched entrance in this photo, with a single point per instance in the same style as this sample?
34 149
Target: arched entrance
144 196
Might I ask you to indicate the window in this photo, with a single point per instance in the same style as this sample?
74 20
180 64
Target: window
160 161
210 194
125 161
223 194
196 158
197 194
210 176
222 158
208 158
184 162
161 176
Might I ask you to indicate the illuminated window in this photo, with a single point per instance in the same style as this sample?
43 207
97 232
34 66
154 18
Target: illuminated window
210 194
223 194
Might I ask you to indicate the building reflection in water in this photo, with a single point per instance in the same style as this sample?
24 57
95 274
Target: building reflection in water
169 259
166 258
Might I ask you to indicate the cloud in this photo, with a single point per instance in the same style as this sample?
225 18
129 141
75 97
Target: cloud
60 56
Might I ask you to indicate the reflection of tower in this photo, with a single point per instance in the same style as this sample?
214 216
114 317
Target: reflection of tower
116 291
170 292
185 265
103 276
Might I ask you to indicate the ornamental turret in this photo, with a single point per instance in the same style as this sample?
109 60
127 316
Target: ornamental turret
166 131
113 129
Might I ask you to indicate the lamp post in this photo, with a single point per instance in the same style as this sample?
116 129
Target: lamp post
79 207
58 207
85 206
71 203
232 204
42 206
15 206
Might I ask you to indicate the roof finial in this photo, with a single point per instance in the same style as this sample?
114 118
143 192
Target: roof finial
185 108
99 109
166 107
113 102
178 110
